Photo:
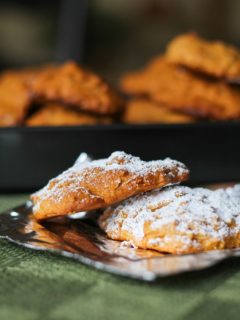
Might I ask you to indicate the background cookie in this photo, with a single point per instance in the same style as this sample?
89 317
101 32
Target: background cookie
15 97
70 84
183 91
214 58
140 110
60 115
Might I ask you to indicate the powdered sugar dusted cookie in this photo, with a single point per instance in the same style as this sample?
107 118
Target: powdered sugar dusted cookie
97 184
177 220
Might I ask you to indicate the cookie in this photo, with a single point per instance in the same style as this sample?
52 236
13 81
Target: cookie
177 220
145 111
100 183
58 115
214 58
183 91
69 84
15 97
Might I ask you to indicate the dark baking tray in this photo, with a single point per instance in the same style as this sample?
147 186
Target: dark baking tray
29 157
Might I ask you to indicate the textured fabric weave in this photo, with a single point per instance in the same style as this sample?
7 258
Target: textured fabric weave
36 285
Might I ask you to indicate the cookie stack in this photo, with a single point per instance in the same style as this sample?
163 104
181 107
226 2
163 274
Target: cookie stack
56 95
144 204
191 81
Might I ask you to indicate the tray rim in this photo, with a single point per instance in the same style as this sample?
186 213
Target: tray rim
122 127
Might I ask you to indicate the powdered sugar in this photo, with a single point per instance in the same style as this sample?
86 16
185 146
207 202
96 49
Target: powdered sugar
189 212
127 244
121 160
71 179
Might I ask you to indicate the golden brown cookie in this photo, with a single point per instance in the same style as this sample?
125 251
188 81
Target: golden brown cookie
177 220
143 111
59 115
214 58
71 85
15 97
100 183
183 91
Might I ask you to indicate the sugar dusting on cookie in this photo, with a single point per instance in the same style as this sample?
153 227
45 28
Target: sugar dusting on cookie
73 179
176 215
121 160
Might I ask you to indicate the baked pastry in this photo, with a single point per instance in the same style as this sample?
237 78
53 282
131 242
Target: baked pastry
177 220
53 114
69 84
214 58
183 91
15 97
143 111
100 183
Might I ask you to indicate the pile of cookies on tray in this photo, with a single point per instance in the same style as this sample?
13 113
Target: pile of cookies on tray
56 95
143 204
191 81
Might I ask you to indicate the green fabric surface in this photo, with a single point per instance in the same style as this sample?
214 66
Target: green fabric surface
37 285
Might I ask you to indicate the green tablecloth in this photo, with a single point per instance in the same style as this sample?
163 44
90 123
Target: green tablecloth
36 285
